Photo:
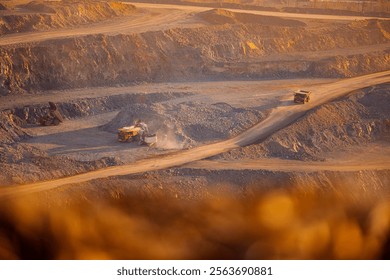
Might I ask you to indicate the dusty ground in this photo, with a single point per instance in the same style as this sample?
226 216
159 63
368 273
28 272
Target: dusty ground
216 86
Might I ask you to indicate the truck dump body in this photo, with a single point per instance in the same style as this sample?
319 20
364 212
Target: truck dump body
302 96
128 133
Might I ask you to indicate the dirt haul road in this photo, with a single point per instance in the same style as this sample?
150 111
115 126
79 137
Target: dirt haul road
151 17
280 117
262 13
148 21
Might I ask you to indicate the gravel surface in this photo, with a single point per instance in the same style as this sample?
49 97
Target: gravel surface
359 119
188 123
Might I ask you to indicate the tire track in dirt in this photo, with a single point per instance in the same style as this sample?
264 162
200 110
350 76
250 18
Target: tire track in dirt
279 118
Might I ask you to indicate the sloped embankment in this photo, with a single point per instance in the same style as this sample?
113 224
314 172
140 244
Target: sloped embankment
92 106
21 163
358 119
230 51
10 130
40 16
188 123
199 216
221 16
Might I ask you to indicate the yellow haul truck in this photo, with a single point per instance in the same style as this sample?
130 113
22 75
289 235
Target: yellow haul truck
302 96
133 133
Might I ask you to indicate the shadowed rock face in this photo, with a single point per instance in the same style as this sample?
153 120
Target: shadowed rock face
10 130
231 51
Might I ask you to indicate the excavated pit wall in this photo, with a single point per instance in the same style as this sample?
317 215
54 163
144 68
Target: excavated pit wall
38 16
374 8
187 184
22 163
362 117
30 114
10 128
229 51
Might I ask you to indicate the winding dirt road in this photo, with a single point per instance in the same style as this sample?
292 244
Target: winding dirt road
256 12
279 118
151 17
137 23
